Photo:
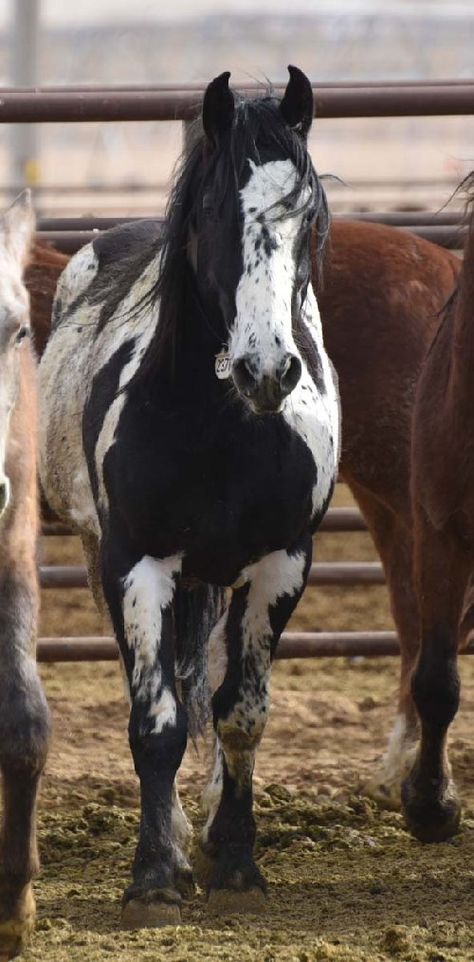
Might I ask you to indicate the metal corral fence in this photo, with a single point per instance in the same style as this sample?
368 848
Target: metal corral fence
71 104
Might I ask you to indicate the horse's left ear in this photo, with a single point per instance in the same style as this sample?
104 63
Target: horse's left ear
297 105
218 108
17 226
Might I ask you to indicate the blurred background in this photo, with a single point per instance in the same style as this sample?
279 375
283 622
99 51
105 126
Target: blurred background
124 168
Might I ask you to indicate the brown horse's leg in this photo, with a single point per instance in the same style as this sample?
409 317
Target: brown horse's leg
442 570
24 732
394 544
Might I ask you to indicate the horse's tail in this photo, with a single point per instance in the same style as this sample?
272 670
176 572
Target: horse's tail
197 609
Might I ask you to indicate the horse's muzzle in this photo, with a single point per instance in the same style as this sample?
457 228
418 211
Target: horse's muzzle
266 392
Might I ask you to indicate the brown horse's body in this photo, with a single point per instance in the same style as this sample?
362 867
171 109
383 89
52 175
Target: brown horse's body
443 513
383 293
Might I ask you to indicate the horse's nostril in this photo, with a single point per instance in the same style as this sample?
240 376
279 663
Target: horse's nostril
291 373
244 377
4 494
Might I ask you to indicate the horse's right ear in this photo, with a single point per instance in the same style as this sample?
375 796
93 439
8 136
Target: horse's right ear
17 225
218 108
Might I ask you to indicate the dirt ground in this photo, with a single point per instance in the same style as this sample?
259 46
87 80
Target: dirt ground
346 882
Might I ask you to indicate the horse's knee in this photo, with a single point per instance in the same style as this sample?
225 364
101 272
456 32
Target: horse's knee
24 721
239 733
158 733
240 717
435 685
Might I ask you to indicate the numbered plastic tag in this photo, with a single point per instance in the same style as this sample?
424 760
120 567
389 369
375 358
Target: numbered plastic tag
223 365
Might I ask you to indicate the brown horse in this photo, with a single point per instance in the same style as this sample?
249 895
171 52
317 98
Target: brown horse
383 293
443 512
380 302
24 720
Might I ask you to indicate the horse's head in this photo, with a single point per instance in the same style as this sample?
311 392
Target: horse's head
260 197
16 230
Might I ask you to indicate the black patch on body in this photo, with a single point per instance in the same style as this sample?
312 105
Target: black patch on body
103 392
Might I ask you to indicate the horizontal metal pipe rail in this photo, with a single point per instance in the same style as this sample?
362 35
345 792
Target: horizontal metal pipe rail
252 87
70 241
79 106
395 218
334 573
336 519
310 644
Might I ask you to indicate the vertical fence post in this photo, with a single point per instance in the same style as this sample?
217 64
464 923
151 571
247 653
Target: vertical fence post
24 73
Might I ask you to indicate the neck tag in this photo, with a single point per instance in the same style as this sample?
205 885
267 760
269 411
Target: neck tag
223 366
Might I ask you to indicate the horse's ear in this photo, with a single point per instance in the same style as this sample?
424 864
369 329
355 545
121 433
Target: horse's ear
218 108
17 226
297 105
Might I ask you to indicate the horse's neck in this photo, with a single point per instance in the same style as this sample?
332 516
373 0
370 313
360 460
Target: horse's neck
188 376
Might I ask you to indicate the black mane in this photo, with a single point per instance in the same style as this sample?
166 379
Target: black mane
207 175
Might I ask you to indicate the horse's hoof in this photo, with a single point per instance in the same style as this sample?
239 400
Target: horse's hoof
231 902
151 911
15 931
431 819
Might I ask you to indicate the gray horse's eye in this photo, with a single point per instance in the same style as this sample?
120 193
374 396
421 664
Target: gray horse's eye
22 334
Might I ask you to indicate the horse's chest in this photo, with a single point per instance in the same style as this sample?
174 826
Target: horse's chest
224 503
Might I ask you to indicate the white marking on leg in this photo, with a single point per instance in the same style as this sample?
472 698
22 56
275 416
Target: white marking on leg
217 654
181 827
212 793
395 765
276 575
147 590
163 711
217 667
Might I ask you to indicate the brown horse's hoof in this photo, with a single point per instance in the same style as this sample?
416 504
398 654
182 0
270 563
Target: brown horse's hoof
231 902
431 819
152 910
16 930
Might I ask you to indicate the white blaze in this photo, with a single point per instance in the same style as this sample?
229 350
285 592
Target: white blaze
263 320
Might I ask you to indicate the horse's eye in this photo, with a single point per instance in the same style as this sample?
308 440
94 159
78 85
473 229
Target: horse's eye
22 333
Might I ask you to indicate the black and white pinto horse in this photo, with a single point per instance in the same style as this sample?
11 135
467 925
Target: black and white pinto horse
190 430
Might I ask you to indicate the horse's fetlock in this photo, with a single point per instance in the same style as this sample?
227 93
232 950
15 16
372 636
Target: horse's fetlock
436 689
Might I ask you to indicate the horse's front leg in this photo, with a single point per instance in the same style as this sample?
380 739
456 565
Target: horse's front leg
24 736
139 592
241 649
